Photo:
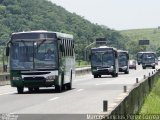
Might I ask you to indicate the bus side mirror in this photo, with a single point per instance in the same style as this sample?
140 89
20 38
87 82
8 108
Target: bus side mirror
116 54
128 57
90 57
61 48
7 51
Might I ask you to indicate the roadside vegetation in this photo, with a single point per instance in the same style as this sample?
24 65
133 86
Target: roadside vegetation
26 15
152 102
81 63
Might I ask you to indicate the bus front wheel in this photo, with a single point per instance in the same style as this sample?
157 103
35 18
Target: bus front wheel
114 74
126 72
58 88
95 76
30 89
20 90
36 89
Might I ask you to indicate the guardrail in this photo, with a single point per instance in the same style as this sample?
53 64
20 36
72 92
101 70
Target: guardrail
82 71
5 77
131 101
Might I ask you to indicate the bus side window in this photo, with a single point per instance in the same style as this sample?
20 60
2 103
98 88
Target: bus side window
61 47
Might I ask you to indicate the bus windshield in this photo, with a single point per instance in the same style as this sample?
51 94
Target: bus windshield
102 59
26 55
148 58
123 61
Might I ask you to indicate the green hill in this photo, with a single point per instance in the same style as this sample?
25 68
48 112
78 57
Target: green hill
24 15
134 35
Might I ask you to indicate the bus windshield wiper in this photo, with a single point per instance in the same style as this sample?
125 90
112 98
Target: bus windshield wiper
41 43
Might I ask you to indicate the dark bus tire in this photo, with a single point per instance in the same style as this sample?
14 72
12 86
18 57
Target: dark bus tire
20 90
58 88
36 89
69 86
144 67
30 89
126 72
95 76
114 74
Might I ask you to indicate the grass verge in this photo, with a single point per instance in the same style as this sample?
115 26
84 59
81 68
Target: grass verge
152 101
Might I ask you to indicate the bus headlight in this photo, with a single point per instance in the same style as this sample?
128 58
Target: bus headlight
125 67
112 67
16 78
153 64
50 77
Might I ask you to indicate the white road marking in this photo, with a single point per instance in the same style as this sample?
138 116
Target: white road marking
53 98
80 90
102 84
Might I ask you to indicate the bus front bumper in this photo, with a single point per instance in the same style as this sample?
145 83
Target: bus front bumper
123 69
32 83
103 71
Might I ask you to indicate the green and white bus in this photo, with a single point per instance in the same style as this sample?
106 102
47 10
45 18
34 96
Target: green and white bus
29 66
123 61
104 61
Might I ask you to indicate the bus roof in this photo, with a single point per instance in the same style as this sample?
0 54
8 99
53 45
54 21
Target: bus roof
104 47
58 34
149 52
140 52
124 51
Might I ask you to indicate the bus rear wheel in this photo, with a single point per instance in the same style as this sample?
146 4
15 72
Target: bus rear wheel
20 90
69 86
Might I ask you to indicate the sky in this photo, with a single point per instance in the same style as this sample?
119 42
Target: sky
116 14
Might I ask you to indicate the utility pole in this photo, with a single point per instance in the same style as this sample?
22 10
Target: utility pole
85 49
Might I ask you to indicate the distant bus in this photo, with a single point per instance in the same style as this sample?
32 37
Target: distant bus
149 59
139 57
123 60
104 61
30 63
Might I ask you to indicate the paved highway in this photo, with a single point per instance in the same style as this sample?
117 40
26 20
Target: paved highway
86 96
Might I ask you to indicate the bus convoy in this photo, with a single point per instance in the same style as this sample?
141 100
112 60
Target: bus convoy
45 59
